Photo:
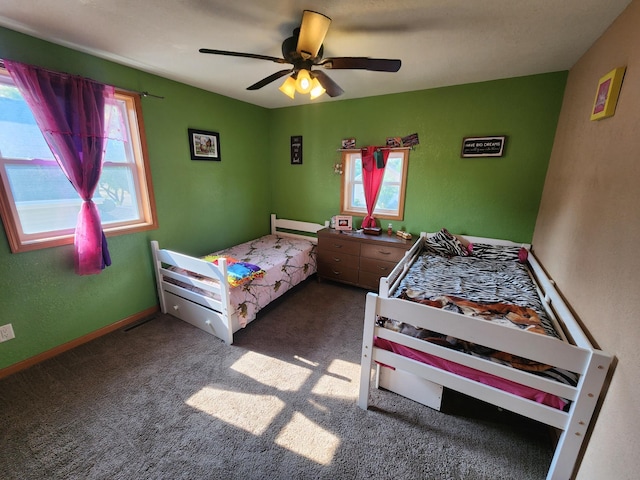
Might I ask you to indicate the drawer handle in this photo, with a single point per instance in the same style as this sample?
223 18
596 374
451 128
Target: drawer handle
176 308
337 245
384 269
383 252
336 259
336 273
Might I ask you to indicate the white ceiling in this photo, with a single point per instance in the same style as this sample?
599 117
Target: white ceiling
440 42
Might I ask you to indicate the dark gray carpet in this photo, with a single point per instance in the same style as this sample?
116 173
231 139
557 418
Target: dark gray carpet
165 400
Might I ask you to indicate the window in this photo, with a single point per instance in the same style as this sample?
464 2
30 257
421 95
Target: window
39 206
390 204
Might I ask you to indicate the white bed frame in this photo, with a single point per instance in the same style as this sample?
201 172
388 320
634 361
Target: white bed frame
415 379
214 316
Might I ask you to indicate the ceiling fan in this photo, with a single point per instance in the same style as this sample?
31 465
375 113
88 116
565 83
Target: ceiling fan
303 50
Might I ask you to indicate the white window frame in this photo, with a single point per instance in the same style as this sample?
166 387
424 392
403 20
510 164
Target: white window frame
349 183
138 166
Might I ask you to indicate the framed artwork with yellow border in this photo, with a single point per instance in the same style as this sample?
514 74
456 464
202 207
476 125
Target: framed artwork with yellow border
606 99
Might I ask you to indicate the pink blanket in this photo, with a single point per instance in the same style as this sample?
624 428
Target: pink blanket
473 374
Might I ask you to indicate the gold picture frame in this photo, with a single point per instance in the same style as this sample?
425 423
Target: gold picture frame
607 93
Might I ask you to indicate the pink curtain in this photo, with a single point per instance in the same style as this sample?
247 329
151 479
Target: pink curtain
374 160
70 112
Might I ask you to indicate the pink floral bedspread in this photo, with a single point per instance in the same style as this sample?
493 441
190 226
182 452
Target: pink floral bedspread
287 262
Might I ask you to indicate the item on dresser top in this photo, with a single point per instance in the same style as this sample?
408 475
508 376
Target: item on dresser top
403 234
344 222
222 292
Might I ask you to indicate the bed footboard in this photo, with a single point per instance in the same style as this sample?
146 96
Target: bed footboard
592 365
210 311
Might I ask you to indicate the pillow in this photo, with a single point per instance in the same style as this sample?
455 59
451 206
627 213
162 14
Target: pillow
498 252
443 243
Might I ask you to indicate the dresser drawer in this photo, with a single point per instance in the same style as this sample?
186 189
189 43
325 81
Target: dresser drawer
381 268
358 259
369 280
338 259
338 272
383 252
337 244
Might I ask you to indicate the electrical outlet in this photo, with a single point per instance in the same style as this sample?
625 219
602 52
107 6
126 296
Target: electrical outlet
6 332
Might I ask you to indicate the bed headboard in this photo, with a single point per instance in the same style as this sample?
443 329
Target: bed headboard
488 241
296 228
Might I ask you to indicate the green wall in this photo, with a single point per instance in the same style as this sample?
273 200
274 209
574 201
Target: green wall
204 206
492 197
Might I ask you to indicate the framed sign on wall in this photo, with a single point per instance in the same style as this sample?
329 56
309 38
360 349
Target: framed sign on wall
296 150
483 146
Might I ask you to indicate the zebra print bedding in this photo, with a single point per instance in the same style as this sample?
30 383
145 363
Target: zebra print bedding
486 274
475 278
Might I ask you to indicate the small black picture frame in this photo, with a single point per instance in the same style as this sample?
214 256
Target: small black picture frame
296 150
204 145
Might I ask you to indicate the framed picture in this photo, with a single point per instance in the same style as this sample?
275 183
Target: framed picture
296 150
344 222
204 145
348 143
393 142
410 140
483 146
607 93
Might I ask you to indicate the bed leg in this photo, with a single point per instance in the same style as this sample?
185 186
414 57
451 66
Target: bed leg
567 452
366 360
157 265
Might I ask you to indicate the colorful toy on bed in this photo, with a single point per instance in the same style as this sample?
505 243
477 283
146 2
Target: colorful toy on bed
238 272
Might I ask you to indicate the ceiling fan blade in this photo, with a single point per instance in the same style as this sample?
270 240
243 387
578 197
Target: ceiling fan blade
313 29
245 55
269 79
332 88
362 63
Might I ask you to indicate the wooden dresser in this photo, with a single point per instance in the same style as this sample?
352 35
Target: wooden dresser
358 259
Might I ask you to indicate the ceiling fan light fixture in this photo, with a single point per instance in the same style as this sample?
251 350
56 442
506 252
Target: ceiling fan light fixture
316 89
303 81
313 29
289 87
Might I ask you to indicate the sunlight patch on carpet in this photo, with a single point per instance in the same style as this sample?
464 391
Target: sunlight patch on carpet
338 382
308 439
272 372
231 408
